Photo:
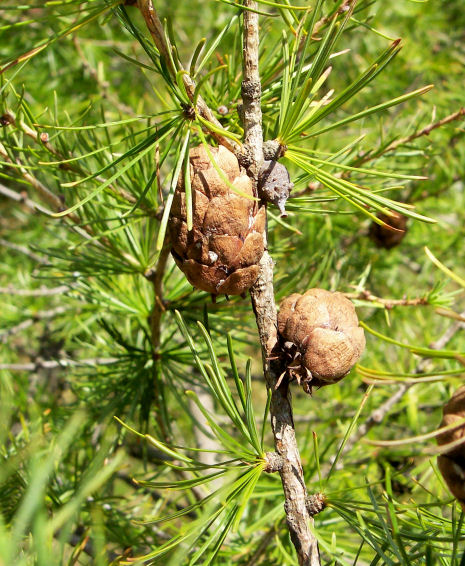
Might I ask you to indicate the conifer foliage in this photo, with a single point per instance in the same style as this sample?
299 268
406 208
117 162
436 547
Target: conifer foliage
171 173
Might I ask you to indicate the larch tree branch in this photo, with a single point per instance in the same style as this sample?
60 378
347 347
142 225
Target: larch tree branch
369 156
262 296
156 30
42 139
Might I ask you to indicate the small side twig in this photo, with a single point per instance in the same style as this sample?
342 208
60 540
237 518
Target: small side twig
85 231
21 249
43 140
39 363
22 198
44 191
42 292
378 415
343 7
41 315
403 141
426 130
208 444
388 303
372 155
155 276
155 28
103 86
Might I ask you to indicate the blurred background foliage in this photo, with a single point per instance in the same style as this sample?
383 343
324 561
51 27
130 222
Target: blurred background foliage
76 342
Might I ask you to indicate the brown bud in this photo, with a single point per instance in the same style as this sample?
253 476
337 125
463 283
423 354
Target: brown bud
222 251
6 119
323 329
389 236
451 464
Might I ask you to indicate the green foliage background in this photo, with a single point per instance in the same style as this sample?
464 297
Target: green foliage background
73 359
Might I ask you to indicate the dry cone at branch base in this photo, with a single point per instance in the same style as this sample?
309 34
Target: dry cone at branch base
321 334
451 464
221 253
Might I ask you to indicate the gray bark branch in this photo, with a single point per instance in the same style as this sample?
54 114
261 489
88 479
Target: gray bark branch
262 295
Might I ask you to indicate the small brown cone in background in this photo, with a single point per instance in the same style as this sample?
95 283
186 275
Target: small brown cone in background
451 464
385 237
222 251
322 328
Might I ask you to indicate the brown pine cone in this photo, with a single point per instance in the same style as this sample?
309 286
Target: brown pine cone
321 333
389 237
451 464
222 251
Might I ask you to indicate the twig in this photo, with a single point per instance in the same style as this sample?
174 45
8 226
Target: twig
41 315
420 133
388 303
208 444
22 198
426 130
156 30
378 414
21 249
251 91
369 156
282 422
155 276
39 363
86 231
102 85
42 292
56 202
43 140
262 295
44 191
262 546
344 7
35 207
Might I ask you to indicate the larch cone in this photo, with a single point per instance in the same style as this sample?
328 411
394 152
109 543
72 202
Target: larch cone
220 255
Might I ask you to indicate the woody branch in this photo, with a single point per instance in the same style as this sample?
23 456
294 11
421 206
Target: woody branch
262 295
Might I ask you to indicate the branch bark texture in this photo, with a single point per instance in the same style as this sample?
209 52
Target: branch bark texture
262 295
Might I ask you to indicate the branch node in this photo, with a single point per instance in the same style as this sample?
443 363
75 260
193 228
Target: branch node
273 150
251 89
274 462
315 503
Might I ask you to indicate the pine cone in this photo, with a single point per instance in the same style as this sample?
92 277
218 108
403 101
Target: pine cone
385 237
452 463
321 332
222 251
